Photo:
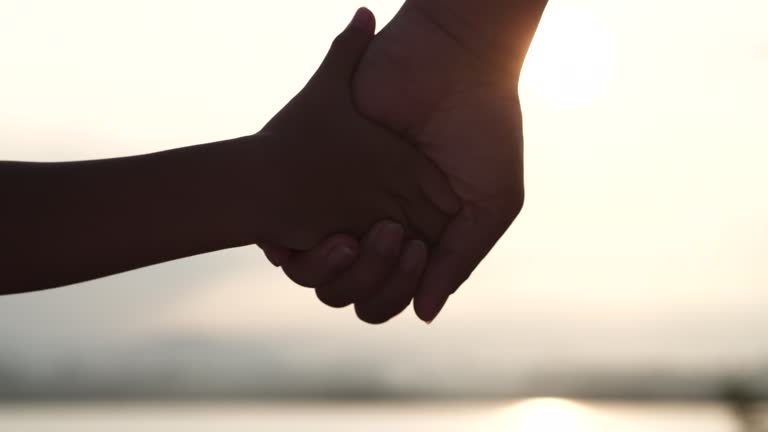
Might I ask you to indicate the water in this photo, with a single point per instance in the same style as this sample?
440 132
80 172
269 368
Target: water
537 415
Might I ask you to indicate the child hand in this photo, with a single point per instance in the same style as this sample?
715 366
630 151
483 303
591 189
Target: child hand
340 172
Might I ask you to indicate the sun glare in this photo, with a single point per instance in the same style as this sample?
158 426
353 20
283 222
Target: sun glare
570 61
542 415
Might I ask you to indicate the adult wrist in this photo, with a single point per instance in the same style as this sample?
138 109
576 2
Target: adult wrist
498 32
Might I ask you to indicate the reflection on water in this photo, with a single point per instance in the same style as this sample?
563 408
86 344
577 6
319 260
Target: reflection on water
544 415
535 415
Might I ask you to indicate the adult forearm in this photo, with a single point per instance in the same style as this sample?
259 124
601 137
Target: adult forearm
64 223
498 30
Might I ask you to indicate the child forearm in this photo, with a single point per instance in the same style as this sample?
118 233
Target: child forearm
63 223
317 168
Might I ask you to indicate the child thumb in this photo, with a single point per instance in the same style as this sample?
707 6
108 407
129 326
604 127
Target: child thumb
348 48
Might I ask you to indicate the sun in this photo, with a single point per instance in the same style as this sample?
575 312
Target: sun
571 60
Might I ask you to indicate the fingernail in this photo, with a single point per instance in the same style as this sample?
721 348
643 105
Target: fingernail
360 20
341 256
388 237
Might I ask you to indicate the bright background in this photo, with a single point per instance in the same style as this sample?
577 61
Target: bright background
643 246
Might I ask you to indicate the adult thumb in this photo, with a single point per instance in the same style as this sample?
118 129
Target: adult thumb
348 48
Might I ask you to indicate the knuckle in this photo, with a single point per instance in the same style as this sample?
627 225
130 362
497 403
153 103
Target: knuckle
395 208
430 231
300 278
332 298
424 217
371 315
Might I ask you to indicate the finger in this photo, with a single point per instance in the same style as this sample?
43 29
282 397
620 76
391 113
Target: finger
452 261
437 188
348 48
322 264
275 254
398 291
379 254
432 204
425 220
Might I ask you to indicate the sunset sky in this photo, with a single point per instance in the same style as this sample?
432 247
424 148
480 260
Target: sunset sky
644 240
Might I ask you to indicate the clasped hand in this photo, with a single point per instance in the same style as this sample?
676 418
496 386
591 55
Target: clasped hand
462 119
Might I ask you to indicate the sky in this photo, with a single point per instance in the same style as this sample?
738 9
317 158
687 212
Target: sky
643 243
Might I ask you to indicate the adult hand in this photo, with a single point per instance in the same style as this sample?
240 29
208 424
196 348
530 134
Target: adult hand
429 75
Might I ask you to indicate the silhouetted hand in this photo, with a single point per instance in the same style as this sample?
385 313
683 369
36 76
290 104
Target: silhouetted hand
464 113
351 172
353 156
459 102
